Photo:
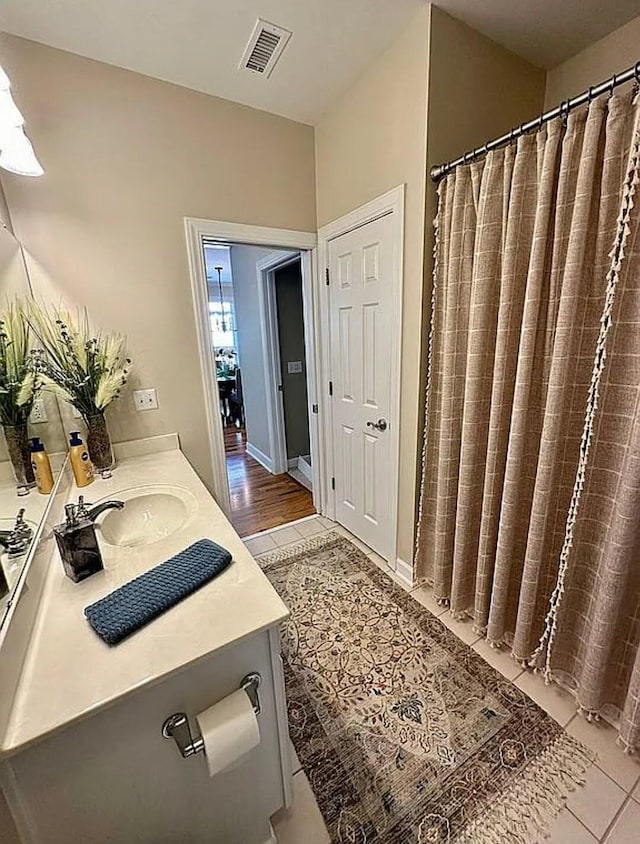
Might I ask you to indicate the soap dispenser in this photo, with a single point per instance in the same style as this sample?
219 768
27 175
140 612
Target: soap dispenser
77 540
41 466
80 461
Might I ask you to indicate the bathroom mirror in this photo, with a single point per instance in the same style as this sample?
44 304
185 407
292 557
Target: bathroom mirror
20 515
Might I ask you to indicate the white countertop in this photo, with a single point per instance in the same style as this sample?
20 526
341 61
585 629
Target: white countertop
70 673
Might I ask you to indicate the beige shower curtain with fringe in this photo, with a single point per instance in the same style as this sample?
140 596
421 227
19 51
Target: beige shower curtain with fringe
530 498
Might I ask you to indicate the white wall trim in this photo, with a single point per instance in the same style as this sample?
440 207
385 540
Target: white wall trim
314 344
277 258
199 292
391 202
197 230
252 235
262 458
404 571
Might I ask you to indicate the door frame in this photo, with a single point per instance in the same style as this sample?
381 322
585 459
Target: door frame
391 202
196 231
266 268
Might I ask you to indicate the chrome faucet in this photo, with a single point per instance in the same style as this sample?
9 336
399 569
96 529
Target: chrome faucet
17 540
84 512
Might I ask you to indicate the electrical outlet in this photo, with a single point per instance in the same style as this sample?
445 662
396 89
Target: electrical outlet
145 399
38 412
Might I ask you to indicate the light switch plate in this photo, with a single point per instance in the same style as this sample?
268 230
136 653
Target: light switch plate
38 412
145 399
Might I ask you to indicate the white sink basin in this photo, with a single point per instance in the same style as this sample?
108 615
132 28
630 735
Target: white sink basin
150 514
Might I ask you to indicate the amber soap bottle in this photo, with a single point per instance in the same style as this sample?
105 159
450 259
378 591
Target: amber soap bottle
41 466
80 461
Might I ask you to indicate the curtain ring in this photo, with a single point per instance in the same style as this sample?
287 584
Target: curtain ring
613 84
590 92
564 111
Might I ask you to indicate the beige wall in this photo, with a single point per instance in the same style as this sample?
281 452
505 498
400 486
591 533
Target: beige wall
126 158
478 90
372 140
610 55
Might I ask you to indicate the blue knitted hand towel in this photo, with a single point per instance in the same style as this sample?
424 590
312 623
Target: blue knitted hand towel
135 604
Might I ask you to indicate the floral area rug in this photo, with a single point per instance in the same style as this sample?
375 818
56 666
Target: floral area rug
406 734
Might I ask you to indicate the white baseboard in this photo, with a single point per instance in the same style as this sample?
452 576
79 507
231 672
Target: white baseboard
297 475
292 463
260 456
272 836
305 468
405 572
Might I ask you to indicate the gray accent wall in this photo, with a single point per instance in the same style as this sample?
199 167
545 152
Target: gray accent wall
288 285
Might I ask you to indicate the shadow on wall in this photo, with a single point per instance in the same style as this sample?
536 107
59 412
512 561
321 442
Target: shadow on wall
293 365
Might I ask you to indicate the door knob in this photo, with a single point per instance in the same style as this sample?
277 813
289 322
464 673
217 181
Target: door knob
380 425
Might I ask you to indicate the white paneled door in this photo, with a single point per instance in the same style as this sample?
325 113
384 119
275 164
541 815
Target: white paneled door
362 286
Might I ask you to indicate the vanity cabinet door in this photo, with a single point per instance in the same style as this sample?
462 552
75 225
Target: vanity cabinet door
114 778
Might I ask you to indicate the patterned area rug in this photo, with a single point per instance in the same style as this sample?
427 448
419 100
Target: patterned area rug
405 733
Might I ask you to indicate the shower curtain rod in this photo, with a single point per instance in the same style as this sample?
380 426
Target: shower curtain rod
563 110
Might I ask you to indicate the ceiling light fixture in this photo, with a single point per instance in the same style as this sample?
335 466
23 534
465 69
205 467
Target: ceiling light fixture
16 152
10 115
223 322
17 155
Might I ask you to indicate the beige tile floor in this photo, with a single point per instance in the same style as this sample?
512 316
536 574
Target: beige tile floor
606 810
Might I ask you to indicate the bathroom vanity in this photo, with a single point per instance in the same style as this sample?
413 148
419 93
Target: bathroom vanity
83 754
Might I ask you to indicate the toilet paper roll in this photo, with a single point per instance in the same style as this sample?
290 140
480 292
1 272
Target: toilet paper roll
229 730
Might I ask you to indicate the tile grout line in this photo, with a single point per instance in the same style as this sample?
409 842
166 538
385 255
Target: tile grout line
616 817
275 529
581 822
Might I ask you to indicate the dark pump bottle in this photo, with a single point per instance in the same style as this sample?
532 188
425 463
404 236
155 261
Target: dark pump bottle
78 544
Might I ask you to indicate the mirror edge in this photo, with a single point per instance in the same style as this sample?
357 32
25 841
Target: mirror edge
16 593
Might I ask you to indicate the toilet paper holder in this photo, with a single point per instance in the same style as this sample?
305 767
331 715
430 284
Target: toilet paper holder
177 725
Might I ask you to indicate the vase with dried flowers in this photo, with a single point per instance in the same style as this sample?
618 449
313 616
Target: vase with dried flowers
85 368
19 386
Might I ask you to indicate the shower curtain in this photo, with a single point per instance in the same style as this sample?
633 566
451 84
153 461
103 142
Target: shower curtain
529 516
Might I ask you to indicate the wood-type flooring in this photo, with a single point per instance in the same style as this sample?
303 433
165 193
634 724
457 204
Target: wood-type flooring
260 500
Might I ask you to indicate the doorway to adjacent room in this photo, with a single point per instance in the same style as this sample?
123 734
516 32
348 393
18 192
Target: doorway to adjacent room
257 334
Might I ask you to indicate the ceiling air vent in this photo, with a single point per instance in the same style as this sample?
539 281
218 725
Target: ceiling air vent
264 48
